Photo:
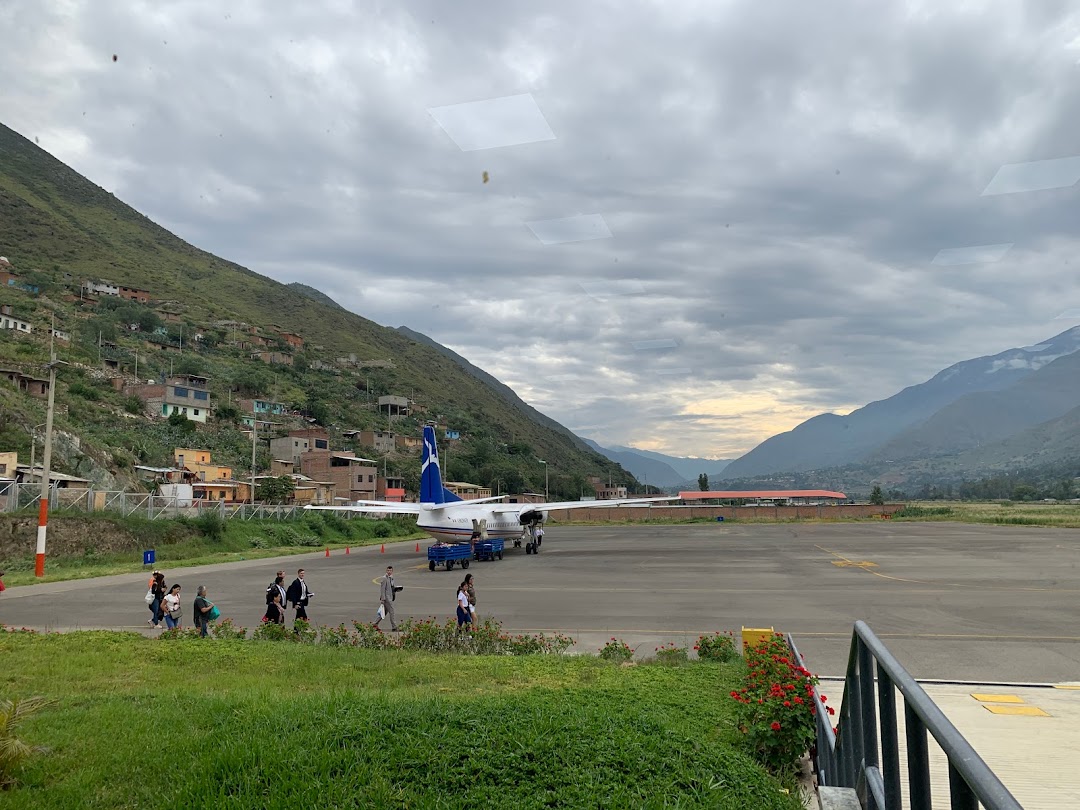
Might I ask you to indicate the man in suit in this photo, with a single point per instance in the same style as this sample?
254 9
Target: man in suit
299 595
387 592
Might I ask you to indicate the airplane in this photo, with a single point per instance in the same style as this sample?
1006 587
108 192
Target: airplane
449 518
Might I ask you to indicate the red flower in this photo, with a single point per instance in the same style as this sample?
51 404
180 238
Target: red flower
831 709
823 698
775 726
787 703
798 700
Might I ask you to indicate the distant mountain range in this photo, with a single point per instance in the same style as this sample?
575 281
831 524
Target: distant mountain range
978 415
660 470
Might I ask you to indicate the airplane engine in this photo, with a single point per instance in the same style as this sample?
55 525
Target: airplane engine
532 517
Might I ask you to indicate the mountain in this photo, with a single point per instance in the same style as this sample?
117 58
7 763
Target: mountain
687 467
659 469
313 294
830 440
990 416
58 228
503 390
649 470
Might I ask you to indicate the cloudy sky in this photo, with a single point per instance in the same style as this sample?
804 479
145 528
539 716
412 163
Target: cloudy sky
702 222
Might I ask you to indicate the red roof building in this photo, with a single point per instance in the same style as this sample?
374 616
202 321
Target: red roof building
792 496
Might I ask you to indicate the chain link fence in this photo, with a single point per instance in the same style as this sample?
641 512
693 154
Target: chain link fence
24 498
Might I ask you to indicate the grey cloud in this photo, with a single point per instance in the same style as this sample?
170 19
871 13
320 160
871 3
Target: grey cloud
778 179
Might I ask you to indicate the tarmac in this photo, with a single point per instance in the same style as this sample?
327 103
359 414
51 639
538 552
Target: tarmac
967 609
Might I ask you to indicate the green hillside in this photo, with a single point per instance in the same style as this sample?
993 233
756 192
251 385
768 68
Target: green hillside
57 228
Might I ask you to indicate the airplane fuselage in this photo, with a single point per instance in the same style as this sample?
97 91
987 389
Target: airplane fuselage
458 524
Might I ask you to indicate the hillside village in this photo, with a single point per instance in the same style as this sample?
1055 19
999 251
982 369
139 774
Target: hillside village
144 360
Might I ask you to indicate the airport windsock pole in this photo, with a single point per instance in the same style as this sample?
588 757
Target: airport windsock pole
43 501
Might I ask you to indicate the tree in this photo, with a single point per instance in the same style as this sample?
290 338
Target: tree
876 497
703 482
178 420
275 490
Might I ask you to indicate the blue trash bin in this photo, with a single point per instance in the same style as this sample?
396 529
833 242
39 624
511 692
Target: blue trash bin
148 557
720 519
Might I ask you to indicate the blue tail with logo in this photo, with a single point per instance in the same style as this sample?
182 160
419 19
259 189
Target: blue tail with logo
431 485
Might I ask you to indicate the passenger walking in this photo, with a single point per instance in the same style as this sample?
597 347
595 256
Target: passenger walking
387 593
275 611
464 615
172 607
276 587
156 595
470 591
204 611
299 595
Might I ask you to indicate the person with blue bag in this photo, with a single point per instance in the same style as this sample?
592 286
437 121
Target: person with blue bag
204 611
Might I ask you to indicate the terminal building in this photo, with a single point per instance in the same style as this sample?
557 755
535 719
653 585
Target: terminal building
766 497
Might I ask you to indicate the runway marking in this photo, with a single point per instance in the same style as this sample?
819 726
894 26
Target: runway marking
998 698
853 564
1025 711
844 562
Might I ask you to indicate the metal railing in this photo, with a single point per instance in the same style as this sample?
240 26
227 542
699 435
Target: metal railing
865 755
24 498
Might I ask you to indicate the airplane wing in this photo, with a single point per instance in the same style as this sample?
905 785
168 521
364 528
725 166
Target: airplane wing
547 507
385 507
466 502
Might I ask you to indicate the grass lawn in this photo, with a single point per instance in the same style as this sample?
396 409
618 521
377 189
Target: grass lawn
214 724
1005 513
239 540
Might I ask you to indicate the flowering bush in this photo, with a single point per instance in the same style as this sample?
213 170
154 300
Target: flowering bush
717 647
370 637
671 654
226 629
179 632
777 706
340 636
272 631
616 650
304 633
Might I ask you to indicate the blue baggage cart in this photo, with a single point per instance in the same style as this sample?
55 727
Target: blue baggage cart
488 550
447 554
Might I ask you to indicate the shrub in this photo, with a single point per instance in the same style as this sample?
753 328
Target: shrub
340 636
370 637
304 633
717 647
226 629
777 706
211 525
272 631
616 650
13 751
671 655
178 633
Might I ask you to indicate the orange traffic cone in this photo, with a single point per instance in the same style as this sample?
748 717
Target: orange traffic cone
417 548
328 551
346 549
383 549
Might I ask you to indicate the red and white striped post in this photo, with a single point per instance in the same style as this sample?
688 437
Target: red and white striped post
43 502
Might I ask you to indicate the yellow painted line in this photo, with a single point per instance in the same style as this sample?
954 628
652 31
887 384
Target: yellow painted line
1024 711
846 563
999 698
853 564
1067 686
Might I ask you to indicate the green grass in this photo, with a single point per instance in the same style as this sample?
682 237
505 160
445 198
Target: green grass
148 723
1005 513
180 543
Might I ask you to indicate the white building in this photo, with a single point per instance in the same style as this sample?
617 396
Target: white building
19 325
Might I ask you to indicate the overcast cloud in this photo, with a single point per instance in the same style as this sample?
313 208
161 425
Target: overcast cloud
777 180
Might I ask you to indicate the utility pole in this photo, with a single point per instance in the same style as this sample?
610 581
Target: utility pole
546 498
43 501
254 433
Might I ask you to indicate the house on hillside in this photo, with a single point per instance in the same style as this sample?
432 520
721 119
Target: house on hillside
294 340
394 407
185 394
299 442
407 444
467 491
381 440
274 358
9 321
12 280
200 464
353 477
119 290
34 386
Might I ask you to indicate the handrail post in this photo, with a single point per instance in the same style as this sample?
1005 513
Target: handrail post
918 760
890 749
866 701
961 796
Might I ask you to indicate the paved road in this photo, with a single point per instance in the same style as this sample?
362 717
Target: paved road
952 601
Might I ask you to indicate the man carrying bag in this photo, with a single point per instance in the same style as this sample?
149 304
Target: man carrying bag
299 595
388 591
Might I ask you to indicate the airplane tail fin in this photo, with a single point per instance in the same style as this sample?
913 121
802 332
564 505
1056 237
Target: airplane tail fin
431 485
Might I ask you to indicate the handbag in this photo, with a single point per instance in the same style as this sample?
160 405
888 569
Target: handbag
214 613
149 597
175 614
380 613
